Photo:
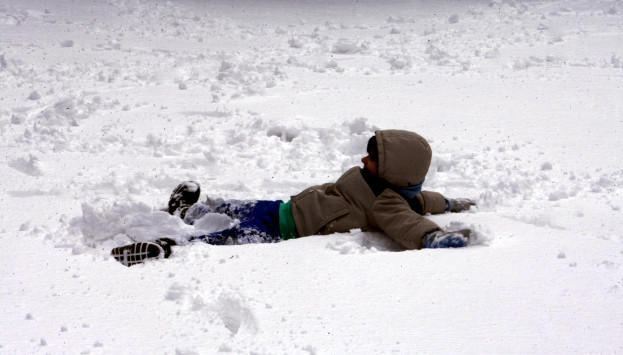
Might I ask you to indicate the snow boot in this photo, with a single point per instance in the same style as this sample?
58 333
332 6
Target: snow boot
453 239
138 252
185 195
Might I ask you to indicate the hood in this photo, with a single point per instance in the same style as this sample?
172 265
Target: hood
404 157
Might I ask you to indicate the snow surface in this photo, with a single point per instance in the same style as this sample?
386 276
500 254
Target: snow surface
105 106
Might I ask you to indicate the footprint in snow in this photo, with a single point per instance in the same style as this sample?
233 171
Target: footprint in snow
236 315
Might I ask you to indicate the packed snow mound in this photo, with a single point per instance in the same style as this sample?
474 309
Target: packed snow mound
123 223
107 224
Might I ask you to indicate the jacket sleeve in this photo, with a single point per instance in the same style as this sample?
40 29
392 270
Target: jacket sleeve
432 202
393 215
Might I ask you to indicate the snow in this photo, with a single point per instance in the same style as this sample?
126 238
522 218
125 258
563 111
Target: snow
106 106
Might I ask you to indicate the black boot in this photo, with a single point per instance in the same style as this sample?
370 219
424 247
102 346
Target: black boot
138 252
185 195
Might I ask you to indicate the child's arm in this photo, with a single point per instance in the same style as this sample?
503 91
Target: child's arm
432 202
435 203
395 217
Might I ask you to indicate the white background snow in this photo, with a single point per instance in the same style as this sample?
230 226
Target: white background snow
105 106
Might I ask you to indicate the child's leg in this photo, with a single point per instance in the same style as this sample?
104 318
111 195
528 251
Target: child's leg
247 209
238 209
259 223
235 209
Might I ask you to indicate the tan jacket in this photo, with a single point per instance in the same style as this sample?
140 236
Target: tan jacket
349 203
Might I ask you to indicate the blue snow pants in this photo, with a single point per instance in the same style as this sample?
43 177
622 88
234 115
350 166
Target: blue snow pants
259 222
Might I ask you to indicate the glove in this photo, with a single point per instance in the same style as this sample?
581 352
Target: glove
454 239
461 204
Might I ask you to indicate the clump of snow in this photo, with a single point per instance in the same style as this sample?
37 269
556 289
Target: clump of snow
286 134
34 96
70 109
176 292
437 55
123 222
346 46
30 166
25 226
213 222
546 166
296 42
332 64
359 126
248 78
235 314
481 235
17 119
400 63
395 19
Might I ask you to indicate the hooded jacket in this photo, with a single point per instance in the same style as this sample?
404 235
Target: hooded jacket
350 202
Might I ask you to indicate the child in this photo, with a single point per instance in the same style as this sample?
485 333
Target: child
386 195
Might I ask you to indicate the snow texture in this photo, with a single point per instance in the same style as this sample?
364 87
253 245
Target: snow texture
105 106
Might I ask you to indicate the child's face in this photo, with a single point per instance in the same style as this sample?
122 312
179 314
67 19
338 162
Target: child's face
370 165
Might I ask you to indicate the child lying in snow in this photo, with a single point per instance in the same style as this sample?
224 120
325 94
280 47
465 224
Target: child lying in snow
385 195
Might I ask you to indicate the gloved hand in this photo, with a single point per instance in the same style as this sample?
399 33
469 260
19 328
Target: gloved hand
461 204
453 239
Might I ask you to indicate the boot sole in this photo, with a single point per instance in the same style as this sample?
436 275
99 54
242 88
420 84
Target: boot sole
137 253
